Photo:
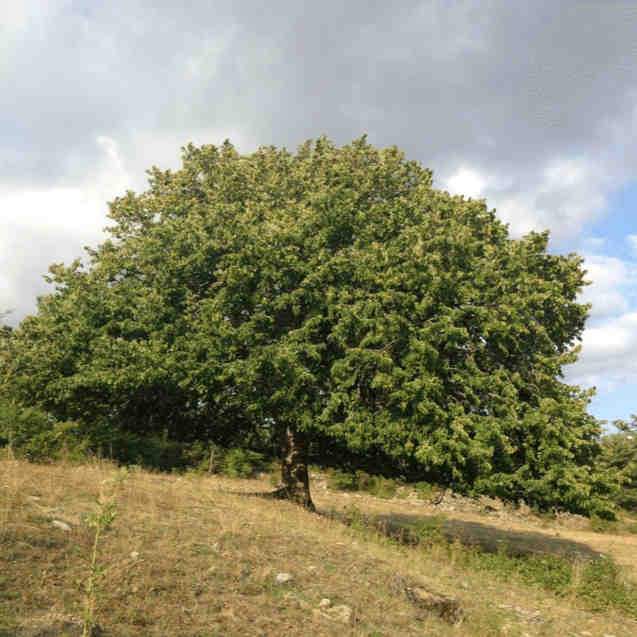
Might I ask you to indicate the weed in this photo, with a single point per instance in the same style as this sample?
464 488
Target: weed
99 521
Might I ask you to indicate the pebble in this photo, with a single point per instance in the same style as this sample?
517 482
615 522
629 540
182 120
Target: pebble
283 578
61 525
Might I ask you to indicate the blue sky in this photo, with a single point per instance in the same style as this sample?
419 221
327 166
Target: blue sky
532 106
613 237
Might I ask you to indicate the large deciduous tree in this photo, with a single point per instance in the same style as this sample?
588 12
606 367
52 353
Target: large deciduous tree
330 292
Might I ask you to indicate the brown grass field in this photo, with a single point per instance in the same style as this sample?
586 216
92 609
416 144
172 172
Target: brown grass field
185 557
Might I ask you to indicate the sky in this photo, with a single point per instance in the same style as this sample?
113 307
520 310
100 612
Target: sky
530 105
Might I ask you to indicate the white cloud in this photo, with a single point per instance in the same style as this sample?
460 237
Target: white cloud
561 197
40 226
609 346
631 239
45 225
466 182
609 354
611 280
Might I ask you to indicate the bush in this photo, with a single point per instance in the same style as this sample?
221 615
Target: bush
338 480
377 486
35 435
243 463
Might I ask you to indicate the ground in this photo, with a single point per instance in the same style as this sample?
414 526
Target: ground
185 556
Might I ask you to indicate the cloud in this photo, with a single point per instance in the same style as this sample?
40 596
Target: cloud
529 105
609 354
608 359
631 239
52 224
611 281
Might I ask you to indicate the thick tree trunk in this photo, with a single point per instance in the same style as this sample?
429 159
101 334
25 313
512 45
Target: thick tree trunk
294 475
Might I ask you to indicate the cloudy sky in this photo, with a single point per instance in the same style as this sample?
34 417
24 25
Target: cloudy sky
532 105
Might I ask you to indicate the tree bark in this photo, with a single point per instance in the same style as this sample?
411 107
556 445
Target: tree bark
294 474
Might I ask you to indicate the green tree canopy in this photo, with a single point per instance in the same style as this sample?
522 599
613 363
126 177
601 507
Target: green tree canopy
329 292
619 456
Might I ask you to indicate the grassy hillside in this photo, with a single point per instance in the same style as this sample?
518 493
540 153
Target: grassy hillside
181 555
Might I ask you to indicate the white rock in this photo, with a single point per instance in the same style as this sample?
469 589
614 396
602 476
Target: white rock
134 555
325 603
61 525
283 578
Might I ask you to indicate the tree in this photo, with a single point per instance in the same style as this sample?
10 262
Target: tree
332 292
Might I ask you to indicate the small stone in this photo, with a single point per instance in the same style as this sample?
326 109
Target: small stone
58 524
325 603
134 555
283 578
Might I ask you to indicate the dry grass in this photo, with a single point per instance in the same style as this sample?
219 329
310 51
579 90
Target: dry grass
185 558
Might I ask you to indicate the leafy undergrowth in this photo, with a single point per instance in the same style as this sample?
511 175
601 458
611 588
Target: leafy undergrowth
184 557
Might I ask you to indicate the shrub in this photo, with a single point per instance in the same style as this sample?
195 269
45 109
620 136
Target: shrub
35 435
378 486
242 463
339 480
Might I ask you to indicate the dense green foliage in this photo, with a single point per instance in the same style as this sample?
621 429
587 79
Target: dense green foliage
334 291
619 456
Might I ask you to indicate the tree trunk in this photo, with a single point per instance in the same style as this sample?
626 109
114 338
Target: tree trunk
294 475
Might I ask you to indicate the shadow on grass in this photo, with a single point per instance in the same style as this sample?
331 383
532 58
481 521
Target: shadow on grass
414 529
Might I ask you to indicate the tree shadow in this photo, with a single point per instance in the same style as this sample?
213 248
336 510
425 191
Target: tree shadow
414 529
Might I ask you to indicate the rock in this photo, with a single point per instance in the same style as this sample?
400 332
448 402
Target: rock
445 607
63 526
134 555
340 613
325 603
283 578
491 505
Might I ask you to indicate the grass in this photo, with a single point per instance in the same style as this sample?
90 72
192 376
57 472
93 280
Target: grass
186 558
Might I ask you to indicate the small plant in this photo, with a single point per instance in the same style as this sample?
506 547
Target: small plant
99 522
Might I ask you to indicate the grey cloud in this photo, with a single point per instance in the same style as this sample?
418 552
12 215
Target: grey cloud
500 84
502 87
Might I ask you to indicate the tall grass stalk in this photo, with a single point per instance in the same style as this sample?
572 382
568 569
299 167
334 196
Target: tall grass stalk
100 521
